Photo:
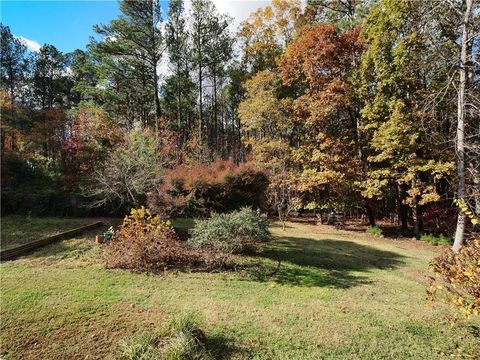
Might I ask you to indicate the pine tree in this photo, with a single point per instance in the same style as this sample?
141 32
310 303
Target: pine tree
178 87
13 63
129 55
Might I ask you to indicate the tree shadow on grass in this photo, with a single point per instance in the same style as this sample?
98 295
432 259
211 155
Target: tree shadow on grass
222 348
330 263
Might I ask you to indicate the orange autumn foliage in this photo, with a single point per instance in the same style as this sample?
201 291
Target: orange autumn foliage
318 65
202 188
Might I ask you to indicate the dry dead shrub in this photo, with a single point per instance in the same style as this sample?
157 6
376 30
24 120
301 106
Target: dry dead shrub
145 242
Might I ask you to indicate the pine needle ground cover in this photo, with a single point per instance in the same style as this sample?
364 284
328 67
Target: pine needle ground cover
337 294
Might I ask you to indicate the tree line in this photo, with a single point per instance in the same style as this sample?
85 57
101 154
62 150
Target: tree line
354 105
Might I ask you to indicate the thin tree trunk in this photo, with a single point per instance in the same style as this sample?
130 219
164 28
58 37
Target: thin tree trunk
215 117
370 212
158 111
460 145
416 218
200 107
241 156
402 208
179 94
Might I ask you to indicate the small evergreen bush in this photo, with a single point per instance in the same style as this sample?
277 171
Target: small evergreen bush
374 230
236 232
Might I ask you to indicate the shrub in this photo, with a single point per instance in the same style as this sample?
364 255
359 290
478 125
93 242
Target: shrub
244 187
456 278
145 242
237 232
374 230
435 240
132 169
198 190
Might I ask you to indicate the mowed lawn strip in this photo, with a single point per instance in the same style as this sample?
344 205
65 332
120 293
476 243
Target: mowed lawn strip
19 230
337 295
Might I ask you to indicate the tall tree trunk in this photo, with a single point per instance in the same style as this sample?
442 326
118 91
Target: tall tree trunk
215 117
158 110
200 104
416 218
179 94
238 136
370 212
2 137
155 59
460 144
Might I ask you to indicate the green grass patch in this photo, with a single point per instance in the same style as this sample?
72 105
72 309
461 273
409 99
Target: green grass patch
336 295
18 230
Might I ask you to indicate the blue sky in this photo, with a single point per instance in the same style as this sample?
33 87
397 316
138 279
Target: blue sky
65 24
68 24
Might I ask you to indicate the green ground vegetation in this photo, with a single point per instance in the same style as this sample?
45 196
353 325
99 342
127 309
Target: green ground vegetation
337 295
17 230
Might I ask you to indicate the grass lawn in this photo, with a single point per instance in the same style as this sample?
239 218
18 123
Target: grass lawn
18 230
337 295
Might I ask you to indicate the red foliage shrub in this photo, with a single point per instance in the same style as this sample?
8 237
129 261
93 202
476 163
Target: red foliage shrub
200 189
192 176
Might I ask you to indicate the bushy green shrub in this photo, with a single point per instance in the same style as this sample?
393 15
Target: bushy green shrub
236 232
435 240
374 230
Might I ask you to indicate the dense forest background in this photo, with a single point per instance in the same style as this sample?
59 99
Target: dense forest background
366 108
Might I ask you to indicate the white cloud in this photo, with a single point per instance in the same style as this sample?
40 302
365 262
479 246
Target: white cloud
32 45
237 9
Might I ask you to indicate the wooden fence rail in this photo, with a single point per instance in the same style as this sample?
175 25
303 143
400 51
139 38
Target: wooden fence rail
25 248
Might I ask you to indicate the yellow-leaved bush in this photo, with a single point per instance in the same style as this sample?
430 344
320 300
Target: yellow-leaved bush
456 277
143 219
